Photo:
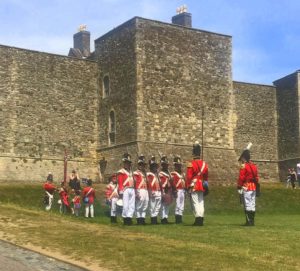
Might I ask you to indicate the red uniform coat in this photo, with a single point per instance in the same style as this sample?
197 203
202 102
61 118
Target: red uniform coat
125 180
49 187
153 183
140 180
110 189
165 180
91 195
197 172
178 180
64 197
248 173
76 200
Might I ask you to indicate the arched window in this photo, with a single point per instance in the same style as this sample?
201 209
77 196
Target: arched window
106 86
112 128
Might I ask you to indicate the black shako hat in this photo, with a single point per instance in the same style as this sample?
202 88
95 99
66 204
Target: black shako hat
196 149
141 159
246 155
177 160
126 157
50 177
152 161
164 160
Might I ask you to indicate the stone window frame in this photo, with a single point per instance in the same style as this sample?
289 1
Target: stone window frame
112 127
106 89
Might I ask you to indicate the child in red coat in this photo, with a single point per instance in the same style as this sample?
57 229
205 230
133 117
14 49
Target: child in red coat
88 195
76 203
64 200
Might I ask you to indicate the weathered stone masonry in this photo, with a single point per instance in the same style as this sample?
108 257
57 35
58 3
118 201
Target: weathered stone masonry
160 78
47 103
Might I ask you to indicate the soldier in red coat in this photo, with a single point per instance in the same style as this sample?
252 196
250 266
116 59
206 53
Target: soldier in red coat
247 185
178 188
196 182
112 196
165 180
154 187
49 188
141 191
126 189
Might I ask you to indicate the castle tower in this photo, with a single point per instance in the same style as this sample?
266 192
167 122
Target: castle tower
155 86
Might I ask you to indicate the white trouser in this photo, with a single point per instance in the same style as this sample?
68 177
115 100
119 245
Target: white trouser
249 200
76 211
128 202
164 210
179 202
113 206
48 206
197 203
89 209
50 200
155 203
141 204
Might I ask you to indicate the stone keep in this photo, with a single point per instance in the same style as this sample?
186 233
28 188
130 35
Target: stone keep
149 87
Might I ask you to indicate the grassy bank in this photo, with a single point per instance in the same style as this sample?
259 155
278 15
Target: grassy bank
222 244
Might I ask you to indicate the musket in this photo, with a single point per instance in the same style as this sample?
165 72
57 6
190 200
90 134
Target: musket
171 179
131 171
157 175
65 166
202 135
115 192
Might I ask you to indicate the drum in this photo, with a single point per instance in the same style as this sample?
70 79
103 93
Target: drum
119 204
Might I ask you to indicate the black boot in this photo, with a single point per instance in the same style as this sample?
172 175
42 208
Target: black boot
248 218
154 220
197 221
164 221
125 221
178 219
113 219
252 216
129 219
138 221
143 221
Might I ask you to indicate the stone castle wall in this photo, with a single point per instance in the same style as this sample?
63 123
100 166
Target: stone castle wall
115 53
168 87
287 92
256 122
183 71
47 103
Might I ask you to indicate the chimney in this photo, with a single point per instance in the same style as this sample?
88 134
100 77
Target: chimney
183 17
82 41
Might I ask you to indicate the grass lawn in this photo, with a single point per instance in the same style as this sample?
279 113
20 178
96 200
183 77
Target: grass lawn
222 244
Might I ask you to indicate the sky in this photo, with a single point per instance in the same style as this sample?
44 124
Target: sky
265 33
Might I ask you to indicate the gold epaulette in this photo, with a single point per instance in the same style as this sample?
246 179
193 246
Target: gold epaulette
242 166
